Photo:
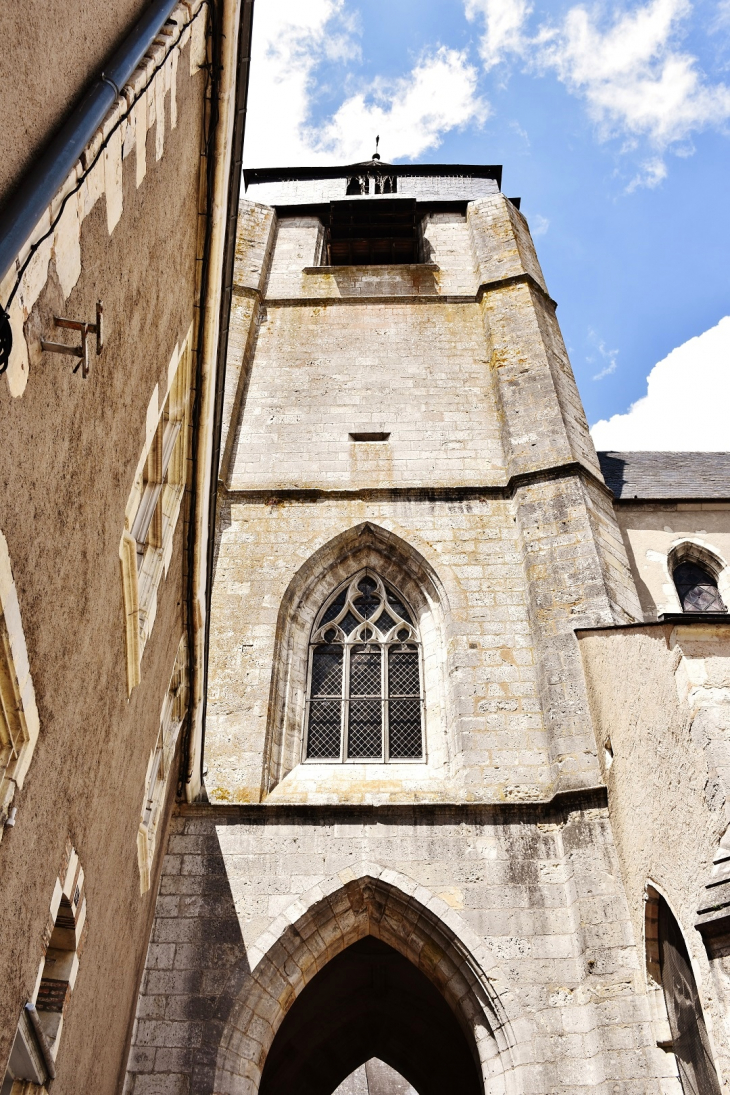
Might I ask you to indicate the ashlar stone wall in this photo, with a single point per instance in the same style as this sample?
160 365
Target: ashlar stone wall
488 480
484 731
517 915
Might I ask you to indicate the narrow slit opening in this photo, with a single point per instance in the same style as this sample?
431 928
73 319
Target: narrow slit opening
360 436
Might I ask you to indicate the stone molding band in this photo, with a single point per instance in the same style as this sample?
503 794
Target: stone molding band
515 279
506 283
397 298
503 492
562 802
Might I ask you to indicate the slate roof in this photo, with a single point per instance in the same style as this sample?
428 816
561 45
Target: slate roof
667 475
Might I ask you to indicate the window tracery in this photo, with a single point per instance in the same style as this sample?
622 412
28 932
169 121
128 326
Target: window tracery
364 698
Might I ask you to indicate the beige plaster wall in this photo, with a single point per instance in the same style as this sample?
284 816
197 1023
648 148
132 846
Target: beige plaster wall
52 53
652 531
70 451
660 698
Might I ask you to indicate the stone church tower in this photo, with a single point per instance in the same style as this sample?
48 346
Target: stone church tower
406 877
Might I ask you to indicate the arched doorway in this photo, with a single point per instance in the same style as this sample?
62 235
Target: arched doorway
370 1001
307 938
669 966
375 1078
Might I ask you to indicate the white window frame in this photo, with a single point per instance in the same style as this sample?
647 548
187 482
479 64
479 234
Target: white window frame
19 722
160 765
154 507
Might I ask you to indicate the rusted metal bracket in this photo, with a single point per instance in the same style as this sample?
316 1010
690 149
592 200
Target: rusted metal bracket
86 329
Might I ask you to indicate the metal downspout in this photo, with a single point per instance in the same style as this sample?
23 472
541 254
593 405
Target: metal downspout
234 191
232 56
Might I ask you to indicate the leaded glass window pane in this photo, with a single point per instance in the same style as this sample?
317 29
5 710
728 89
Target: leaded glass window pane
335 608
404 703
325 729
364 695
365 672
325 715
327 671
398 607
697 589
365 729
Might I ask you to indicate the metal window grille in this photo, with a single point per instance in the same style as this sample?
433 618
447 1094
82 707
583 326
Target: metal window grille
697 589
364 700
690 1044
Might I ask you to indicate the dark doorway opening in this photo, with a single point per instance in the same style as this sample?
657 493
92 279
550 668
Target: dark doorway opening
690 1043
368 1002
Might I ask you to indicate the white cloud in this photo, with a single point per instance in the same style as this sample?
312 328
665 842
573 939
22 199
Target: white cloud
650 174
607 358
411 114
628 68
686 405
538 224
504 21
632 78
288 41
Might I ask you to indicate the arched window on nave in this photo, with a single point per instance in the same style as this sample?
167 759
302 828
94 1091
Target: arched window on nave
364 693
697 588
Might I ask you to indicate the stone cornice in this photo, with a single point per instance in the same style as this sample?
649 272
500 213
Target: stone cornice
564 802
503 491
515 279
395 298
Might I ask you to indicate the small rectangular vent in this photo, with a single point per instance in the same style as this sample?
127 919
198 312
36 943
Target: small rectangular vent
369 436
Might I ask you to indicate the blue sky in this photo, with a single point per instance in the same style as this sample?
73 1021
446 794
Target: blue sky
612 122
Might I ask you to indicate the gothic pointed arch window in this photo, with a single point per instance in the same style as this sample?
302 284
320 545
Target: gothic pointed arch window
364 692
697 588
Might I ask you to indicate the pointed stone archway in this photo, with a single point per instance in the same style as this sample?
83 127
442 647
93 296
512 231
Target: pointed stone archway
375 1078
404 922
371 1001
398 562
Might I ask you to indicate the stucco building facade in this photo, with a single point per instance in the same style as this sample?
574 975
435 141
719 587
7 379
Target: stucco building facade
466 731
117 144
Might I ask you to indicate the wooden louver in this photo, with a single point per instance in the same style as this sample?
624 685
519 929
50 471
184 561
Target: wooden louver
365 232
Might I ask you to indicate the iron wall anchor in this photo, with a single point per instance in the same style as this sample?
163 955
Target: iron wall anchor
86 329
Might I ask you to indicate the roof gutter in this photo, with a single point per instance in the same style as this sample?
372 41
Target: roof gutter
236 18
37 189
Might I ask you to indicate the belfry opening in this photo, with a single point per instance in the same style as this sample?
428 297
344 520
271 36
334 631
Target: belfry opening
370 1002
